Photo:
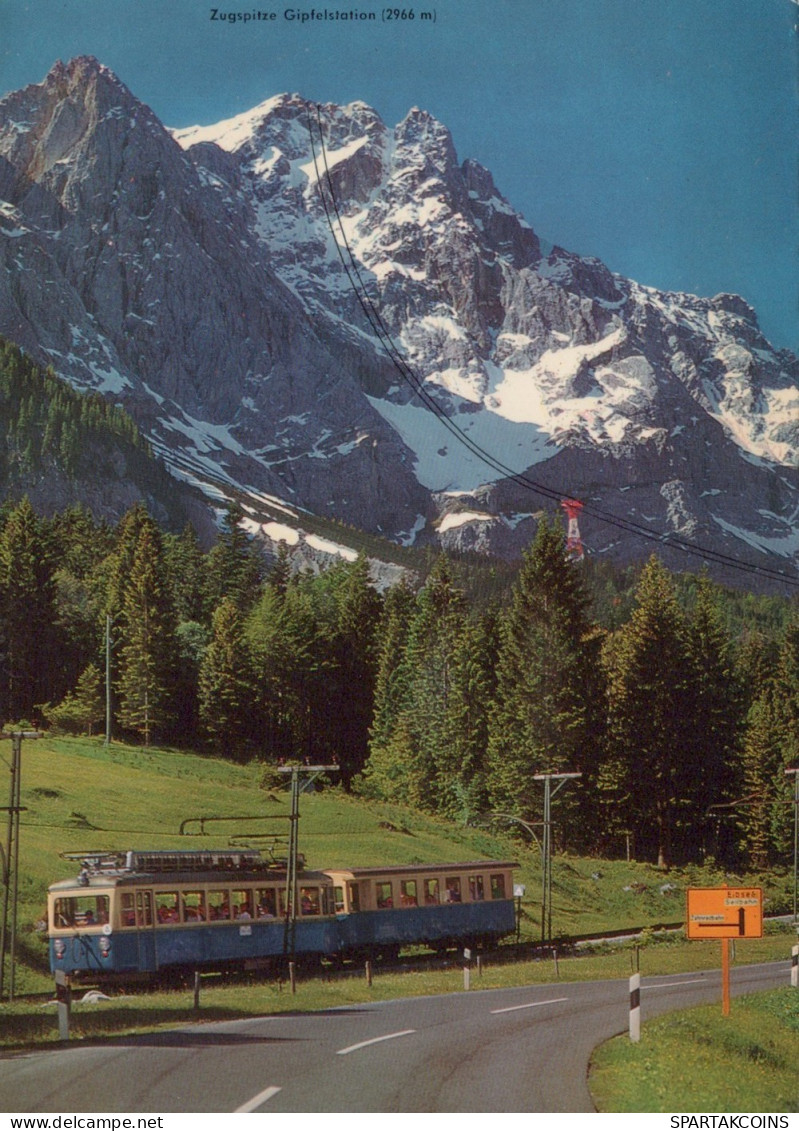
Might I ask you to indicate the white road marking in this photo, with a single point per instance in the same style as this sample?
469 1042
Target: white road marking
256 1101
668 985
375 1041
529 1005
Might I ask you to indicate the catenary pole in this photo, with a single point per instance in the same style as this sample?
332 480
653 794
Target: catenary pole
8 935
310 773
546 848
795 772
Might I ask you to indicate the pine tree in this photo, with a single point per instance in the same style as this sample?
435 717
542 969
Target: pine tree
786 686
462 760
30 644
81 547
225 684
186 572
353 669
392 639
83 709
651 712
542 716
120 564
717 720
290 656
761 767
409 760
280 573
147 656
234 566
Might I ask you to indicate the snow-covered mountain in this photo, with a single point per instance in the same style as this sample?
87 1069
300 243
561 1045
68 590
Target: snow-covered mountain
312 306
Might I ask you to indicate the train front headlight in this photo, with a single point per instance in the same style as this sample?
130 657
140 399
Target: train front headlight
59 948
105 946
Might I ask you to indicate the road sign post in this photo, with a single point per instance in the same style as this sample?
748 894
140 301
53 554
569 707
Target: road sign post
724 913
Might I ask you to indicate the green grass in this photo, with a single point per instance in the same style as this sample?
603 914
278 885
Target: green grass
699 1061
81 796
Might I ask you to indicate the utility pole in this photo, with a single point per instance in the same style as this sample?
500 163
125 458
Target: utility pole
795 773
310 773
546 847
109 647
8 937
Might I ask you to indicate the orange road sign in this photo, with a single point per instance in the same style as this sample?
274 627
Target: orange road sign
724 913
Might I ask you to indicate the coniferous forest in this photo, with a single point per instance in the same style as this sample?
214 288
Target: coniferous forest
678 702
675 700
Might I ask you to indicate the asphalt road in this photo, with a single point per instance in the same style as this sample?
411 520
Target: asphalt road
515 1050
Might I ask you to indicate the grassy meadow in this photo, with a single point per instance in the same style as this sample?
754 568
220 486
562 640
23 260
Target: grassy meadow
81 796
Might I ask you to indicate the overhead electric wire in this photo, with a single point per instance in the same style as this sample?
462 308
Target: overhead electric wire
383 335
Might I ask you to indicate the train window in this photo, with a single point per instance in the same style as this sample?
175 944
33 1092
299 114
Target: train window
309 901
242 905
266 903
282 905
144 908
498 886
354 896
218 905
453 885
194 907
81 911
167 905
408 897
127 910
432 893
476 889
383 895
338 899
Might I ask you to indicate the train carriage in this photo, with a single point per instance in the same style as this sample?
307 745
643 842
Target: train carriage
159 911
139 915
438 905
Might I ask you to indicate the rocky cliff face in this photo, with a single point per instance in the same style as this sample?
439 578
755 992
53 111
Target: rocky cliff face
310 305
134 271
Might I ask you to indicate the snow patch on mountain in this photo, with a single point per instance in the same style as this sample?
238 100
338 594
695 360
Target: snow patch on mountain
444 462
304 304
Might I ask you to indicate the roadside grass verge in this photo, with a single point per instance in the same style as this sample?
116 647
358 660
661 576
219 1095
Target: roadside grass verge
696 1060
31 1022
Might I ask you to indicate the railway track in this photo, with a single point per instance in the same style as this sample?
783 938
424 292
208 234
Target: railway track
505 954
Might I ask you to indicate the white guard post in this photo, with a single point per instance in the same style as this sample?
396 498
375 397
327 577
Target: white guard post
635 1007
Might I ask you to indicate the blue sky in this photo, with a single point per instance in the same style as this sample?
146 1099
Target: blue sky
659 135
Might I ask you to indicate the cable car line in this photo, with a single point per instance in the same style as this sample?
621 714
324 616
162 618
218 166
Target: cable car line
375 320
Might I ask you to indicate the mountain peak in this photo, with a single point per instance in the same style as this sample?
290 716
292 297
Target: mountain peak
84 71
402 360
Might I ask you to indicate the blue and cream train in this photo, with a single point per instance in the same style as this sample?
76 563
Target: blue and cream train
145 914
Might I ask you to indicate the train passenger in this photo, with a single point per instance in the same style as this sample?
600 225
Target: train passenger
453 891
408 894
309 901
266 905
384 896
